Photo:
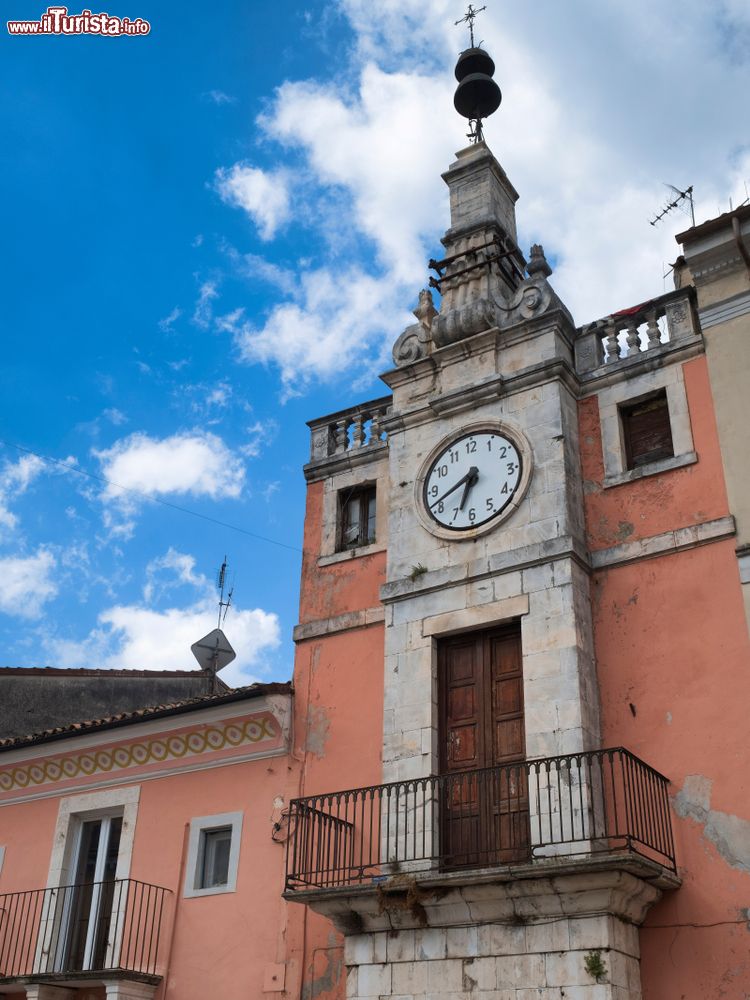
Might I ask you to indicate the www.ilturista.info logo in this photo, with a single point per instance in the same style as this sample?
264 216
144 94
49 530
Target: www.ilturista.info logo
57 21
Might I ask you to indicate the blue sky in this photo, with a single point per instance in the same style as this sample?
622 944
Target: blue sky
215 233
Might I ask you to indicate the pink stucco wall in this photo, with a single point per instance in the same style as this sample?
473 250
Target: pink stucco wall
672 658
338 682
213 945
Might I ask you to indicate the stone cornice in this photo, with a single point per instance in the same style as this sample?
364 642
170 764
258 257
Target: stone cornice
552 550
623 885
338 623
355 458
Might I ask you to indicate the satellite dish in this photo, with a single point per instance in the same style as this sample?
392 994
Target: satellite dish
213 651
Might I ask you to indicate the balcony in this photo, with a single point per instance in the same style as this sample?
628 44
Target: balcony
76 935
597 810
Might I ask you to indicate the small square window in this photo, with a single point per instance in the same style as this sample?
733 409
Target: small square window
647 432
357 517
213 854
214 866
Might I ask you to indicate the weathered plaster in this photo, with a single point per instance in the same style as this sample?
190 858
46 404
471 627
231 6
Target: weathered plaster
729 834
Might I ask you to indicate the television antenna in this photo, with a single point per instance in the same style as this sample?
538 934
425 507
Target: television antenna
221 582
214 651
678 198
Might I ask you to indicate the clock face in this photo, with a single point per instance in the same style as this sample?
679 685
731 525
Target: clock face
472 480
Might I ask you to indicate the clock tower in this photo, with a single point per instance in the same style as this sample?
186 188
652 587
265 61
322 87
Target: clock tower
485 387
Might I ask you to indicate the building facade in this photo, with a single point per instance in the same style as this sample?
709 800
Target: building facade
554 577
512 765
137 853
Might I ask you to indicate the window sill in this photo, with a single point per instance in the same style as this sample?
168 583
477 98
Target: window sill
215 890
652 469
347 554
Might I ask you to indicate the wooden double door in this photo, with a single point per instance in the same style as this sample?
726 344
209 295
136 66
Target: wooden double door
484 802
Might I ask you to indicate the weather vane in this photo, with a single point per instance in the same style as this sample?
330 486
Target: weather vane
468 18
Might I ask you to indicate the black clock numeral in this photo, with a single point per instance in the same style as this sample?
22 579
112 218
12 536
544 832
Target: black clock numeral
504 490
440 507
512 468
472 515
442 471
503 451
434 490
454 457
455 513
471 446
490 505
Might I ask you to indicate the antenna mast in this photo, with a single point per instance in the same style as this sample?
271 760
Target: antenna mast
221 580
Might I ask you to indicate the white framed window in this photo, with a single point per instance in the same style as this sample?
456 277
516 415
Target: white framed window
213 854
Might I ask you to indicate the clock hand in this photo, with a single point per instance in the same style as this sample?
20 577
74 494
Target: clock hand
454 487
471 480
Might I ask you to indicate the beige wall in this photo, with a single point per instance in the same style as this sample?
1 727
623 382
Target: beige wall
722 281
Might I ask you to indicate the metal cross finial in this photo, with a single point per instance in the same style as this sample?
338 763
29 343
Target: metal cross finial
468 17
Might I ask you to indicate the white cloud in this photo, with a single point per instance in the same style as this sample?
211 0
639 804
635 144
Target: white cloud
140 637
590 127
168 322
115 416
258 435
172 569
15 479
333 326
26 583
203 312
219 97
194 462
384 145
263 195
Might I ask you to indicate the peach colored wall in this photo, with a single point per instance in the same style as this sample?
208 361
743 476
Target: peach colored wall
221 944
338 682
350 585
672 659
654 504
670 641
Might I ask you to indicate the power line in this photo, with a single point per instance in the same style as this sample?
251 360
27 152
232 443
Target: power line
145 496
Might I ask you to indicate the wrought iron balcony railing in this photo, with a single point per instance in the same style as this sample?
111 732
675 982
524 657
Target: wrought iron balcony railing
92 927
576 806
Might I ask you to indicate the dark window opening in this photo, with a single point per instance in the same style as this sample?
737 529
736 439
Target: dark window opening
357 517
646 431
214 860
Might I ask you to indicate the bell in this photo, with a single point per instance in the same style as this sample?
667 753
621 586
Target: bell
477 96
474 60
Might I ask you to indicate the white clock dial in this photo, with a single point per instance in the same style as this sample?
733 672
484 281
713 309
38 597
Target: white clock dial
472 480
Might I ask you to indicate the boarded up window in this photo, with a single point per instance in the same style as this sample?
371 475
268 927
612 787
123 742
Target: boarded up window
646 431
357 518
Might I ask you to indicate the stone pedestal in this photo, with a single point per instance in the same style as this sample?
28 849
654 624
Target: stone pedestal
542 932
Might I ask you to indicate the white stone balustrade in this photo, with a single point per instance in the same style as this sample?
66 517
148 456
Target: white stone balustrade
349 431
642 332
